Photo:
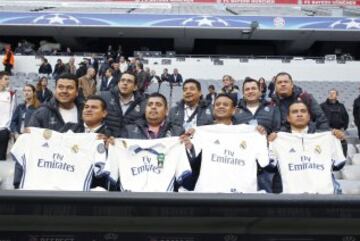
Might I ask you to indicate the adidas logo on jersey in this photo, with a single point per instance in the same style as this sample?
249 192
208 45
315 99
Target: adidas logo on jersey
45 144
217 142
292 150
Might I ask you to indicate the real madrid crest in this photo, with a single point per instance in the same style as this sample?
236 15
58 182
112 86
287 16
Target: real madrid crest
75 148
101 148
243 145
137 108
47 134
317 149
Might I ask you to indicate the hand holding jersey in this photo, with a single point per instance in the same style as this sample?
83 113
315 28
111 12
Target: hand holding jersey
58 161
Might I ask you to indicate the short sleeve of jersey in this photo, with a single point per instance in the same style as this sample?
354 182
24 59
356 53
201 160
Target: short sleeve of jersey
183 166
273 155
337 156
100 159
19 149
111 166
262 155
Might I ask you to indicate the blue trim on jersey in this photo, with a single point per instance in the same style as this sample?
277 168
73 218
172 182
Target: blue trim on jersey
170 188
88 179
24 171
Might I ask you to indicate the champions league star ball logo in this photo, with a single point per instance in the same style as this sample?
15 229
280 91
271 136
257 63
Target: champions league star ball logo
347 23
205 21
56 19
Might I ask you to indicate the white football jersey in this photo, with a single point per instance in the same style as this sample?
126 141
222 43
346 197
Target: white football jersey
305 161
58 161
148 165
229 157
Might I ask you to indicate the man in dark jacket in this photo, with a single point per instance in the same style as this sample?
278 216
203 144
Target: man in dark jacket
254 111
62 108
45 67
335 112
192 110
143 78
155 124
108 81
124 103
286 93
356 113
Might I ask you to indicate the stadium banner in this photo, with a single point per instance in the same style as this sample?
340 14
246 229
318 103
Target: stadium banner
332 2
177 21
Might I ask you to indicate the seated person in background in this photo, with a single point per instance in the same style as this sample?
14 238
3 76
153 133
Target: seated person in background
306 161
42 91
229 87
210 97
23 112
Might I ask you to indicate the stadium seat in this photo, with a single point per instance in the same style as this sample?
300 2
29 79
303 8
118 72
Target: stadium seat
7 174
350 187
351 172
355 160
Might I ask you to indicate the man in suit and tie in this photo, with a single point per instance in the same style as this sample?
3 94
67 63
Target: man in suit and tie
108 81
176 78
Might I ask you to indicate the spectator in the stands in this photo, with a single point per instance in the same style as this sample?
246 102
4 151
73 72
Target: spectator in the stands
87 83
335 111
7 107
61 109
108 81
94 62
165 76
192 110
83 66
117 72
45 67
42 91
286 92
110 53
68 52
123 65
176 77
70 66
8 59
20 119
59 69
210 97
263 87
143 78
271 87
124 103
229 88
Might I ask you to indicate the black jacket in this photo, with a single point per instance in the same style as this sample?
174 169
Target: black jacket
48 116
266 116
17 117
43 97
104 86
336 114
45 69
356 111
115 119
204 114
316 113
138 130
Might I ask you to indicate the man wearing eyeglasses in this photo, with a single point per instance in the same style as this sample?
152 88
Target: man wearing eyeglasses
125 104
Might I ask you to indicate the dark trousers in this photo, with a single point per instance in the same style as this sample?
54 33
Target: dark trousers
4 140
8 68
